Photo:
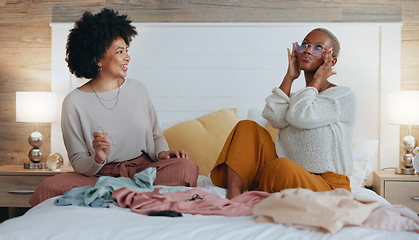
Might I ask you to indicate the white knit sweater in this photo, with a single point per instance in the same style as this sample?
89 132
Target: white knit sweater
315 129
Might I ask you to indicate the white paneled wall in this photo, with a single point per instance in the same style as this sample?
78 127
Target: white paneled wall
191 69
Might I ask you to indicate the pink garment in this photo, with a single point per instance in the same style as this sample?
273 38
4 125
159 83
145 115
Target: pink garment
193 201
395 217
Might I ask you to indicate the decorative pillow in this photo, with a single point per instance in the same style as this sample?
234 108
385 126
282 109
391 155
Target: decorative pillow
255 114
203 138
364 154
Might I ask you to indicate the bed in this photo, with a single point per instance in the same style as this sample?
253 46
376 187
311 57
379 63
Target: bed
47 221
225 71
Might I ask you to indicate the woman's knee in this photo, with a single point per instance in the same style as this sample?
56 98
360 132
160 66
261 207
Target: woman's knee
189 165
281 166
247 124
192 172
58 185
183 170
278 174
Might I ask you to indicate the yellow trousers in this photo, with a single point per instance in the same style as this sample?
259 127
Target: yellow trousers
250 152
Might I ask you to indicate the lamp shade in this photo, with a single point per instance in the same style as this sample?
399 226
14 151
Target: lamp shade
404 107
38 107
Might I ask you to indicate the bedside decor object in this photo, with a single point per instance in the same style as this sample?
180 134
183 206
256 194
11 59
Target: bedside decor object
403 111
55 162
36 107
416 162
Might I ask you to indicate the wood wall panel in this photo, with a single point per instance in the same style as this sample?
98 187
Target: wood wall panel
25 39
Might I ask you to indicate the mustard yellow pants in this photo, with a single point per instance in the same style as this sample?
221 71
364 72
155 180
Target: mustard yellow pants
250 152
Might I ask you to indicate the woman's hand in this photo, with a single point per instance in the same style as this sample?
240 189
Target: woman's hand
101 146
325 70
294 70
172 153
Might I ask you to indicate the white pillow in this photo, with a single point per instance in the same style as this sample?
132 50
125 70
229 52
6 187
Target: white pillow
365 154
167 124
255 114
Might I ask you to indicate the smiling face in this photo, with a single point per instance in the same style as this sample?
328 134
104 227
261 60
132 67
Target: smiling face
115 60
306 60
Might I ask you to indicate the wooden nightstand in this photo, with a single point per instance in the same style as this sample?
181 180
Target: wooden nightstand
397 188
17 184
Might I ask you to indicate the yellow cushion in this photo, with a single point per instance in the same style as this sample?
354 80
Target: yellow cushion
203 138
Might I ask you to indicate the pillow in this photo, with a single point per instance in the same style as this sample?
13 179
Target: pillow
203 138
364 154
255 114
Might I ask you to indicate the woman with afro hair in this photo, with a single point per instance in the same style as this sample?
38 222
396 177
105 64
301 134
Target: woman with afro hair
109 124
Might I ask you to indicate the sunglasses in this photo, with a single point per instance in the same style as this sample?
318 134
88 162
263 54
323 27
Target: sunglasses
316 49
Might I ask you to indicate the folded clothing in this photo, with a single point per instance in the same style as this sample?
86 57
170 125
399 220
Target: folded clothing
329 210
396 217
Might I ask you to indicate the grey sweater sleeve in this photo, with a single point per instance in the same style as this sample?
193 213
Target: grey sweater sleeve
81 157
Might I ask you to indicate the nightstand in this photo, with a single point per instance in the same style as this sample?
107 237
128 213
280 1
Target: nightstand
17 184
397 188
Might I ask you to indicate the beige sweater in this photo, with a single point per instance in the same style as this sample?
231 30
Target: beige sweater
315 130
132 126
330 210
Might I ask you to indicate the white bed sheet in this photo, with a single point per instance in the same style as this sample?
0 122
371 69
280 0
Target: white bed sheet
47 221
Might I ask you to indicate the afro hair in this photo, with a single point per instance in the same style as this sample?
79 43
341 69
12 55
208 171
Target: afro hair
91 36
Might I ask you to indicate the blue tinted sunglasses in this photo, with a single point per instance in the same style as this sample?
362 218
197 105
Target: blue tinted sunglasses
316 49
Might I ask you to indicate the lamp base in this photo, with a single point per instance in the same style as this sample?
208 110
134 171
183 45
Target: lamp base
34 166
405 171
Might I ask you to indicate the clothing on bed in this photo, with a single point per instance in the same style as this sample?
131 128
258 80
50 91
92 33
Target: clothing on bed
250 152
168 170
332 210
193 201
106 185
395 217
132 125
101 194
75 197
308 117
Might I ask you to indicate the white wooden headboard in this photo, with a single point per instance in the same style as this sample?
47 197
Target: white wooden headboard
191 69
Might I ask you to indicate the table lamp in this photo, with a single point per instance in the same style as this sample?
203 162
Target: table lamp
36 107
403 110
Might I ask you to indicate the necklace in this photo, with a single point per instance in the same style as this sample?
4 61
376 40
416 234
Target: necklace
102 100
